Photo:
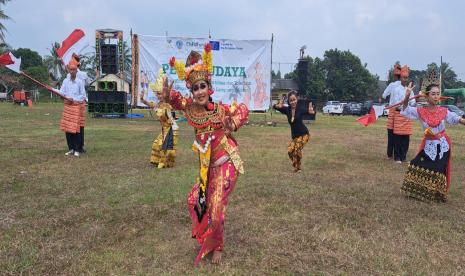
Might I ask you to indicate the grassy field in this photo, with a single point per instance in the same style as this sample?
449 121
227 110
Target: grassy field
111 212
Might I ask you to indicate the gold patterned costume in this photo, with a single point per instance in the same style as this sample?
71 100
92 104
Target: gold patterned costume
218 154
164 146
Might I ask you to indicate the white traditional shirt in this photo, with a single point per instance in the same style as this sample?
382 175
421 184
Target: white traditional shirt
431 146
73 89
81 75
396 91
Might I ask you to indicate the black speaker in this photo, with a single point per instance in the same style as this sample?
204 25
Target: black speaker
109 56
107 102
302 75
107 97
107 86
302 106
116 97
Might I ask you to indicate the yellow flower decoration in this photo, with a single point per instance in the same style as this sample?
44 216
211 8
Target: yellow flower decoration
207 58
158 85
180 70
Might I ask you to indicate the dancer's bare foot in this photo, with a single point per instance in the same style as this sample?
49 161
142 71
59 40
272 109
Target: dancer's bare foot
216 258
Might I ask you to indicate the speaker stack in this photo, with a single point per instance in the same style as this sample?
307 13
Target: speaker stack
107 100
109 58
108 97
302 75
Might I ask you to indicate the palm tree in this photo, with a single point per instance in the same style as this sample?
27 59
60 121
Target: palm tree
88 63
3 16
127 56
449 77
54 63
4 47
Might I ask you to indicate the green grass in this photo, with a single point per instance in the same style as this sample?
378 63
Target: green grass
110 212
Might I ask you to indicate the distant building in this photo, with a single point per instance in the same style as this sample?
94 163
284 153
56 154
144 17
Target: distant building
280 88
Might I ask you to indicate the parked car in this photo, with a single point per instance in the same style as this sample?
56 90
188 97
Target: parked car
456 110
333 107
352 108
366 106
3 96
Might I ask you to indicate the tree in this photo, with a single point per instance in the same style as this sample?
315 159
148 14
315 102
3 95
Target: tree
54 63
416 76
291 75
4 47
449 77
346 78
316 83
3 16
28 57
39 73
33 65
127 56
275 75
88 64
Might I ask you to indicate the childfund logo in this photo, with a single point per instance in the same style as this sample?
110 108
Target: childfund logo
218 71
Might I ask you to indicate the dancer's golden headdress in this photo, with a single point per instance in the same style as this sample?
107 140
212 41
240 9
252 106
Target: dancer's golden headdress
197 67
432 78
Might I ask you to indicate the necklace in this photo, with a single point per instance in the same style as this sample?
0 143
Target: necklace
204 148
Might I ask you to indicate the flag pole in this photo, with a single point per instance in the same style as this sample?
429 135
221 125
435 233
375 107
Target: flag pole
53 91
440 76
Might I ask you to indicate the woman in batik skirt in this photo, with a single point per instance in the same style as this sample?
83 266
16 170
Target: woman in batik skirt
164 146
299 131
218 153
428 176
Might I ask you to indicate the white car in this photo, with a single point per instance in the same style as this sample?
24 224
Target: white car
333 107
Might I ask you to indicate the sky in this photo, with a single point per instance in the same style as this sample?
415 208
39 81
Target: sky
380 32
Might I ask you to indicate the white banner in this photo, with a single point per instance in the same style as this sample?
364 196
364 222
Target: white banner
241 69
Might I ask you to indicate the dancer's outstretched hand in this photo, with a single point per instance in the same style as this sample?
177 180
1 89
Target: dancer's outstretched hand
311 109
280 103
228 124
167 87
409 88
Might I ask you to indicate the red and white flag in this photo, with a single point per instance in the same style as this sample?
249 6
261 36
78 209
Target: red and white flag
74 43
11 62
371 117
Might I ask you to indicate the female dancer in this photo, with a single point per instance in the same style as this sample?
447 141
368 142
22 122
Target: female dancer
219 160
164 146
428 175
299 131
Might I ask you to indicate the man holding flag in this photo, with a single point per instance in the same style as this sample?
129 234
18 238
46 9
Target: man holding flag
73 119
387 93
83 77
74 44
399 127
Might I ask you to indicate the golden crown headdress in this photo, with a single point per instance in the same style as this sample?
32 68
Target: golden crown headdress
158 84
432 78
197 67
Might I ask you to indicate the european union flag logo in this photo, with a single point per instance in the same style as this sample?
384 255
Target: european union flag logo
215 45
